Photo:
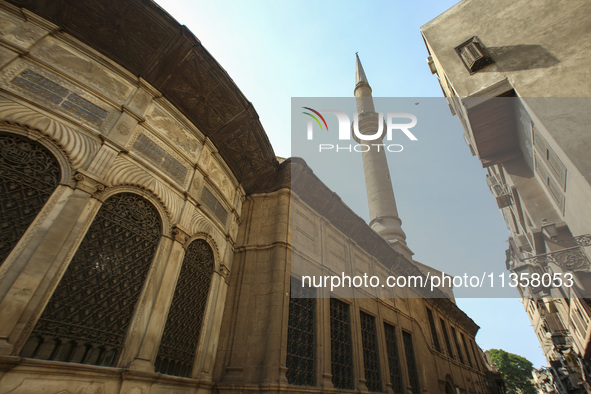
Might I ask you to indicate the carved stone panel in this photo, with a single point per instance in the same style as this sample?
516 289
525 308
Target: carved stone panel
79 147
162 159
18 32
82 68
51 90
217 175
28 175
164 122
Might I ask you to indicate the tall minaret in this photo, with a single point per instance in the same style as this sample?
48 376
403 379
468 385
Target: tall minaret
383 214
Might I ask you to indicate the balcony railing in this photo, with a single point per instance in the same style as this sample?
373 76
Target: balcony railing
569 259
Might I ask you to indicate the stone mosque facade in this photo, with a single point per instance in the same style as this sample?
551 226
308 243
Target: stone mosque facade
145 230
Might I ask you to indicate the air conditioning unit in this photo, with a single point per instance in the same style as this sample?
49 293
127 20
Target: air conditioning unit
495 187
474 55
491 180
432 67
504 200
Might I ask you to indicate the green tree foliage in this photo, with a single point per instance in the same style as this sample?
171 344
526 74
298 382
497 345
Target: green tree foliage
516 370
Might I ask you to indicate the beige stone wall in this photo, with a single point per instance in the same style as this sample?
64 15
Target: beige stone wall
540 49
253 345
131 139
541 52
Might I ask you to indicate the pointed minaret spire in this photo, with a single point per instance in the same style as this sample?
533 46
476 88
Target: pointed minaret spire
383 214
360 77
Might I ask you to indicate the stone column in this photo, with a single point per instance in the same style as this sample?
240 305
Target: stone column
357 347
212 320
145 331
51 242
324 339
383 352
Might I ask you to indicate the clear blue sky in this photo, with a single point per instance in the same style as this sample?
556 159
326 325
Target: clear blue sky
276 50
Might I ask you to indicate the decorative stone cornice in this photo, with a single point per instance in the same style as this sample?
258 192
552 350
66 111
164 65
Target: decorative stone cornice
171 59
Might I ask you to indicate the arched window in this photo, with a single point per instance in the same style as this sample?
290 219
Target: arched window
185 318
29 173
88 315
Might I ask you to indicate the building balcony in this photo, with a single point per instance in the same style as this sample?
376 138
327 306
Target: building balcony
568 259
493 127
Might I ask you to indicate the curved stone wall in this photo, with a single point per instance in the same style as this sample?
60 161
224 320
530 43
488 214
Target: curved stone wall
112 133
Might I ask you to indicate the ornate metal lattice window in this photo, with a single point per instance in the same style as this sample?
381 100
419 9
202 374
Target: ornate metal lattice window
446 338
455 337
341 357
88 315
466 349
477 364
413 373
371 360
28 175
300 335
393 358
433 330
185 318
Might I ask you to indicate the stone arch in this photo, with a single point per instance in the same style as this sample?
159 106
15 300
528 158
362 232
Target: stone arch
66 169
103 195
217 255
186 317
91 309
79 148
449 385
30 172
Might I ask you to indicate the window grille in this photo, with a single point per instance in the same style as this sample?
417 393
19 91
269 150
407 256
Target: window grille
371 360
446 337
466 349
301 335
88 315
341 356
433 330
393 358
475 355
185 318
28 176
413 373
214 205
458 348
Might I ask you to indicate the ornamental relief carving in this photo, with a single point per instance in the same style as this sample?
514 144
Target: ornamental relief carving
80 148
202 235
6 55
124 172
17 32
83 69
50 90
165 123
217 175
201 225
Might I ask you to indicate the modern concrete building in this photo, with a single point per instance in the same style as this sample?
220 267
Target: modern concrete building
517 76
148 231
